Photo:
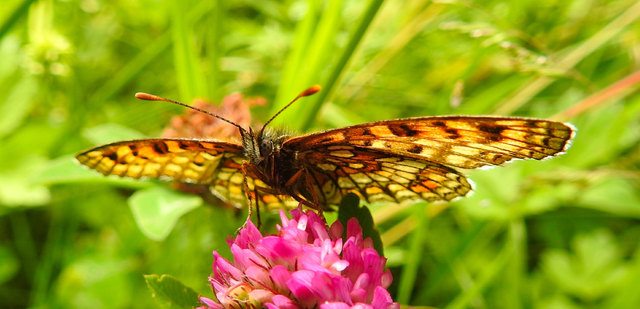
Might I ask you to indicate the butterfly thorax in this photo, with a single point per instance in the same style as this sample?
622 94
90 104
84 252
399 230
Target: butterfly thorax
266 154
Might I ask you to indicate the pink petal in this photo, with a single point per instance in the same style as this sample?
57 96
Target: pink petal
209 303
354 229
280 275
302 223
259 275
278 250
334 305
222 267
363 282
284 219
358 295
361 306
386 279
281 302
261 296
248 236
320 230
382 299
247 257
336 230
302 288
325 287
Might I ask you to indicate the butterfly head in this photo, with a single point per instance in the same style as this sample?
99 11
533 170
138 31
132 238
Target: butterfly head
258 147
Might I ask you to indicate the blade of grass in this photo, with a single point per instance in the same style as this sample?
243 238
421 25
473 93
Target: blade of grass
447 264
147 56
324 40
569 60
127 73
415 253
302 39
20 11
486 277
401 39
191 81
403 228
316 56
338 70
60 233
514 271
622 87
214 48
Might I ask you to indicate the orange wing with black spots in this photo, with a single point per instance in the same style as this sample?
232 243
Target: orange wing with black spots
213 163
458 141
415 158
183 160
377 176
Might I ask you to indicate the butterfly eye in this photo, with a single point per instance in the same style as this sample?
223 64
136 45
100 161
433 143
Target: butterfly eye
266 146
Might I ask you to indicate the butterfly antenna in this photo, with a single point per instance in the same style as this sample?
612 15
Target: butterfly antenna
313 89
151 97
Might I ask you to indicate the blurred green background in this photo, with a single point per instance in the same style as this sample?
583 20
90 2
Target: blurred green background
562 233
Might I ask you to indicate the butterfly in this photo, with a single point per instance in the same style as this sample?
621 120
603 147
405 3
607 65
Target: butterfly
394 160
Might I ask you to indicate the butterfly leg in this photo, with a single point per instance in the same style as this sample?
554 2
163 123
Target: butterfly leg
245 169
255 194
310 188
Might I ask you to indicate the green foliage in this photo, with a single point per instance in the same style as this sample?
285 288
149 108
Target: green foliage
561 233
350 208
157 209
170 293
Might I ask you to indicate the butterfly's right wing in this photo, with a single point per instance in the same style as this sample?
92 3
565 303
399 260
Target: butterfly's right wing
213 163
181 160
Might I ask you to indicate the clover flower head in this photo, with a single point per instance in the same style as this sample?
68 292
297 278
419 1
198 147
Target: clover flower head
305 265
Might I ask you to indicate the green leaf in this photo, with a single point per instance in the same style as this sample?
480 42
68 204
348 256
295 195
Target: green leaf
15 106
157 209
16 187
349 208
170 292
594 269
617 196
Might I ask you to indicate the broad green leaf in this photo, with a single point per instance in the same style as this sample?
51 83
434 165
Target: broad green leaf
349 208
157 209
16 186
170 292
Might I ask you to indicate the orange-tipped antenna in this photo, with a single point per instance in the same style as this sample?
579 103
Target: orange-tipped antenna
151 97
312 90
